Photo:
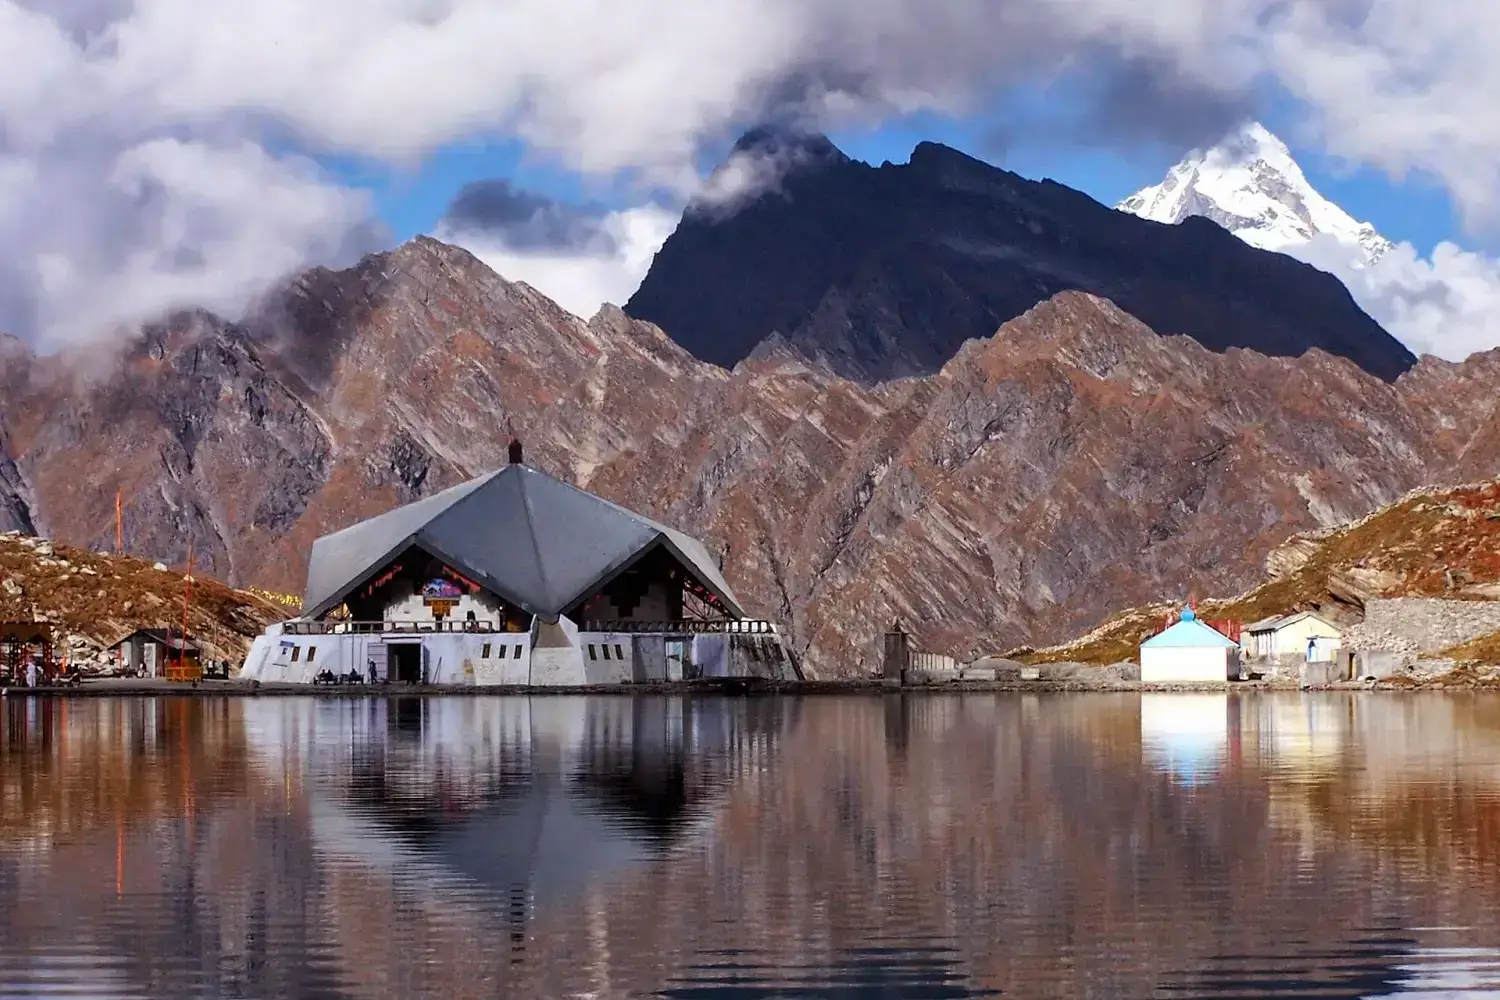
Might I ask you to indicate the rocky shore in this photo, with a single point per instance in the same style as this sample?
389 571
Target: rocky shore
1080 678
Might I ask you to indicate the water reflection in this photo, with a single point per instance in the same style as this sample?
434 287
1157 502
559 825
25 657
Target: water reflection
1119 846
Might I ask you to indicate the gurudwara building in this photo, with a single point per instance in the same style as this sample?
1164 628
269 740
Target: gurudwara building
516 579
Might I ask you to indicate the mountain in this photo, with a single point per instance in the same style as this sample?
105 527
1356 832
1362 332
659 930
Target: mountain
883 272
1251 185
1073 464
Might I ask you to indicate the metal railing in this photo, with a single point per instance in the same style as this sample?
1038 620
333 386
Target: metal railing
688 626
296 627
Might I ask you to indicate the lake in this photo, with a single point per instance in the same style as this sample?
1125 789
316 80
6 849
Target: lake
919 845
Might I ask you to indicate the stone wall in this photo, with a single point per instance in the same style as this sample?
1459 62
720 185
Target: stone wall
1421 625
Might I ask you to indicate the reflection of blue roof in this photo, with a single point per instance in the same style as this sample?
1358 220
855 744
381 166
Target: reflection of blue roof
1188 633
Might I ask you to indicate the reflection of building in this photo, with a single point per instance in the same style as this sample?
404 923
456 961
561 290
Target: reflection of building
498 800
516 578
1187 734
1188 652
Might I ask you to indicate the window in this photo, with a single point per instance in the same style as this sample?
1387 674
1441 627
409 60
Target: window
605 647
484 654
593 655
311 652
296 652
517 654
619 653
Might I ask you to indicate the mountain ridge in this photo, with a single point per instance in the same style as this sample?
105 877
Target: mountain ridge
1072 463
883 272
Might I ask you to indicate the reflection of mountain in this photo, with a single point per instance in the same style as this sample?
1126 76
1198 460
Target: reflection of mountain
849 847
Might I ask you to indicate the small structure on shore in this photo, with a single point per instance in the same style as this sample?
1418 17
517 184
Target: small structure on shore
1306 636
23 644
516 578
146 652
1188 652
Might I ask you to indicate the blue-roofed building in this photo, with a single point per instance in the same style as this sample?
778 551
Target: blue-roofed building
516 579
1189 652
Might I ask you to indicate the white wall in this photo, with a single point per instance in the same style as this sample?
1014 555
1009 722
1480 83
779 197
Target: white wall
405 605
1292 640
556 657
607 665
1184 664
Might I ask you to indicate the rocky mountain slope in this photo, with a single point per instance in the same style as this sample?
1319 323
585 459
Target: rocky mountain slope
885 272
94 599
1431 543
1251 185
1074 464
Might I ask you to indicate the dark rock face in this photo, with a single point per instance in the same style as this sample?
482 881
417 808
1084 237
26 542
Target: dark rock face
885 272
1074 464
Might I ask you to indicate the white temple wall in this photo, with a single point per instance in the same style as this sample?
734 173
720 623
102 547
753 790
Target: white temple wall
556 657
405 605
608 657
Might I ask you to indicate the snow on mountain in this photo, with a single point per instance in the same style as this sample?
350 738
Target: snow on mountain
1250 185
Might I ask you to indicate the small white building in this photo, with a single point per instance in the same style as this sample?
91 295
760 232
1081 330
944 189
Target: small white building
1189 652
1305 635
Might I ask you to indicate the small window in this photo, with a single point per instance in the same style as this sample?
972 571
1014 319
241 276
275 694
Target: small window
484 654
296 653
311 652
605 647
619 653
593 654
517 654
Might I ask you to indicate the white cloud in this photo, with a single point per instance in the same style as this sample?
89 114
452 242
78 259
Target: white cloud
1448 305
609 87
579 278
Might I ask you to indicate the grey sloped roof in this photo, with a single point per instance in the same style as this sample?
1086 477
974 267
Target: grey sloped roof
534 540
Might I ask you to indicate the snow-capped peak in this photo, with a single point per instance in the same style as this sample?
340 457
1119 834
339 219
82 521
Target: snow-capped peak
1250 185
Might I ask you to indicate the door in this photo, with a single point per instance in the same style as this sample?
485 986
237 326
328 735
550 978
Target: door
677 659
405 662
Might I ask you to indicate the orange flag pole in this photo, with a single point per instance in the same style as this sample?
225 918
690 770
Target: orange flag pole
187 596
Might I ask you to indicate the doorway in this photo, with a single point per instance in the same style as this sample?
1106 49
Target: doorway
677 659
405 662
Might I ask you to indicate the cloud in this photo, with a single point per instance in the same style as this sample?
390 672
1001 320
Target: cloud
580 256
1447 305
103 220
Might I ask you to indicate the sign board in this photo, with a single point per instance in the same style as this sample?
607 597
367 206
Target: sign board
441 588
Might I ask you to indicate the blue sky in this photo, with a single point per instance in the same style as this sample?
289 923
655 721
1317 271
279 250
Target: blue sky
1414 211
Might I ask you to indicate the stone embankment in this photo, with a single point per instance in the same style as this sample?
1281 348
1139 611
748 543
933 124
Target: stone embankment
1416 625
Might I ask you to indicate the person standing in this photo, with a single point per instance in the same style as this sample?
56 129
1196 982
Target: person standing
31 672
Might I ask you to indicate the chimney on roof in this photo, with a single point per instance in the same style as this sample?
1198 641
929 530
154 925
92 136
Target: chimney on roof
515 451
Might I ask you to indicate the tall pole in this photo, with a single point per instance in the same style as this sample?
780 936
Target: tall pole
187 596
119 523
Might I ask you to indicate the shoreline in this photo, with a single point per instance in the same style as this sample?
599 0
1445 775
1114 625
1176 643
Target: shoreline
157 687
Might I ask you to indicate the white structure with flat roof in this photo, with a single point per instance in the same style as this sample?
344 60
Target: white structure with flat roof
516 579
1189 652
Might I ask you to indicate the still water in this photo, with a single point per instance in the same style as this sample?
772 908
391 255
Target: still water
919 846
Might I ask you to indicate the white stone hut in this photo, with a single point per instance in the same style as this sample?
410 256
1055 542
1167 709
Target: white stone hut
1305 635
1189 652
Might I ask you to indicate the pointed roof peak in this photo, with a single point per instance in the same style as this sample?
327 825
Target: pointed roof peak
535 540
